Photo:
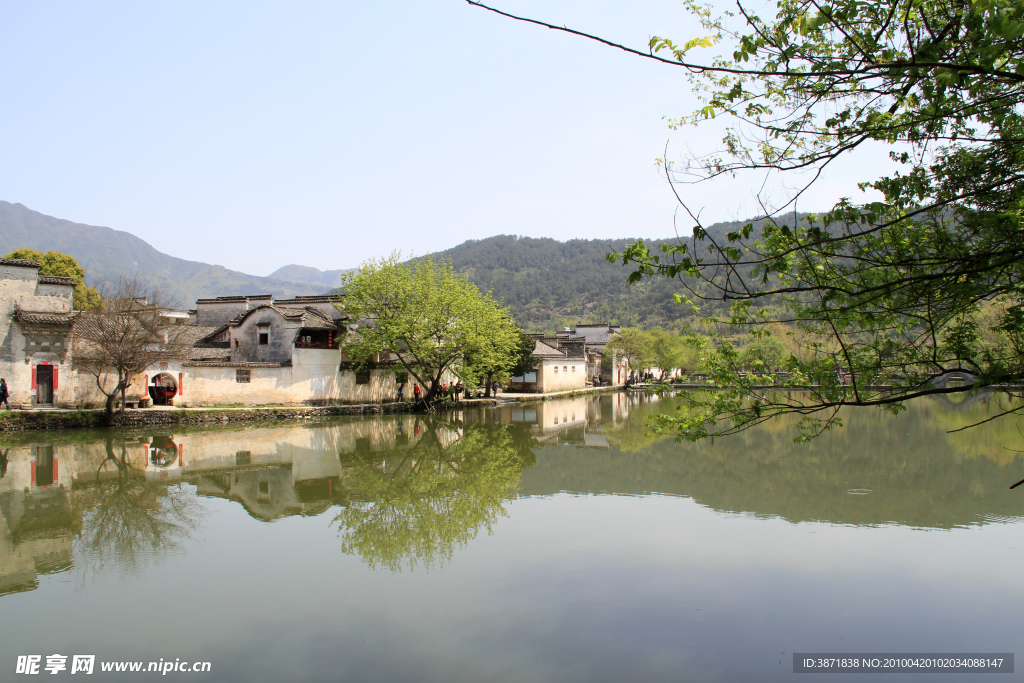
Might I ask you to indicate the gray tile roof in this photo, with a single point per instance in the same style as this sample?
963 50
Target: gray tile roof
55 280
596 334
43 318
545 350
232 364
19 262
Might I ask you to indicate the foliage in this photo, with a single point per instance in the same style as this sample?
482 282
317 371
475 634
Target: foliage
764 354
500 359
432 318
887 291
55 263
634 346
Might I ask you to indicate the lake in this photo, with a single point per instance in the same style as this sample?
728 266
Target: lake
546 541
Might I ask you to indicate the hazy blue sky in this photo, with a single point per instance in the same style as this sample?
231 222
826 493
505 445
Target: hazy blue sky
255 134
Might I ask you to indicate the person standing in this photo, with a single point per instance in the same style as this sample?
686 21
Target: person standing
416 392
4 393
401 388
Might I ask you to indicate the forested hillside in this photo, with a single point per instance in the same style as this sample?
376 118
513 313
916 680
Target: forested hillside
550 284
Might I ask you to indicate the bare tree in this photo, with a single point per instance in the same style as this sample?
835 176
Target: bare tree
124 336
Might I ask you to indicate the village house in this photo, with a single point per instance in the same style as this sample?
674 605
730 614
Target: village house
612 372
236 350
35 334
558 368
255 350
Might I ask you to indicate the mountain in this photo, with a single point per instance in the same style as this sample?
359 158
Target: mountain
324 279
106 253
547 284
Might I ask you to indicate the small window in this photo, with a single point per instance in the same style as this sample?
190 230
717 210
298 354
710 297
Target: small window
243 458
556 369
565 369
236 343
264 338
574 368
242 376
363 377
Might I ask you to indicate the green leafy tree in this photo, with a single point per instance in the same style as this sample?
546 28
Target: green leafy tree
887 288
634 346
500 361
764 354
58 264
667 351
432 318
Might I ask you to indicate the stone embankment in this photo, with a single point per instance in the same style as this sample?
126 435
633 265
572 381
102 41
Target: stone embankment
79 419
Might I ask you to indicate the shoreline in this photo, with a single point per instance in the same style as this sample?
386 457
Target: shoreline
61 419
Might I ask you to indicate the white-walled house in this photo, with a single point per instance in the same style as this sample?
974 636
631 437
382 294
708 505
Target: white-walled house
258 351
35 334
558 368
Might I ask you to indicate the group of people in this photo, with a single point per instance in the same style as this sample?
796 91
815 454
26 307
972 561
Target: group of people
453 392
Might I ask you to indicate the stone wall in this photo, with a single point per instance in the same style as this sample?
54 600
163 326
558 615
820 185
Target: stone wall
135 418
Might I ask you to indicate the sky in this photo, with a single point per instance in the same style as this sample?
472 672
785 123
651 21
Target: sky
255 134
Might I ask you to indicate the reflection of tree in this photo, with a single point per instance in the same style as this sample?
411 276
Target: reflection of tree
1000 441
127 520
917 474
419 505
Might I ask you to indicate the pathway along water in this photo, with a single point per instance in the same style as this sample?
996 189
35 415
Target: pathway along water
542 542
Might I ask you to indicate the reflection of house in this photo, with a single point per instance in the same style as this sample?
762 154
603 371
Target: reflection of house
572 421
36 521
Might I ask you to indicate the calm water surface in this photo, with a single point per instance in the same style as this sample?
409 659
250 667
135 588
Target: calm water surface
546 542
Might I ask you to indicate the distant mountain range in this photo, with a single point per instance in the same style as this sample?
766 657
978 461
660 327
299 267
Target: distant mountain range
547 284
105 253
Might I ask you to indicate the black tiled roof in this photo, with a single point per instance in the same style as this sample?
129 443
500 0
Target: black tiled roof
19 262
44 318
55 280
232 364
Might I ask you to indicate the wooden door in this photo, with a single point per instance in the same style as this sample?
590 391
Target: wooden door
44 384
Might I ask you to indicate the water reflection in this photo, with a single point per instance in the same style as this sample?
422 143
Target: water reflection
417 505
409 491
127 519
878 469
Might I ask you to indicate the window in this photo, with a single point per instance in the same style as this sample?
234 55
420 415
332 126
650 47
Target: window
236 343
264 338
242 376
574 368
556 369
243 458
565 369
363 377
